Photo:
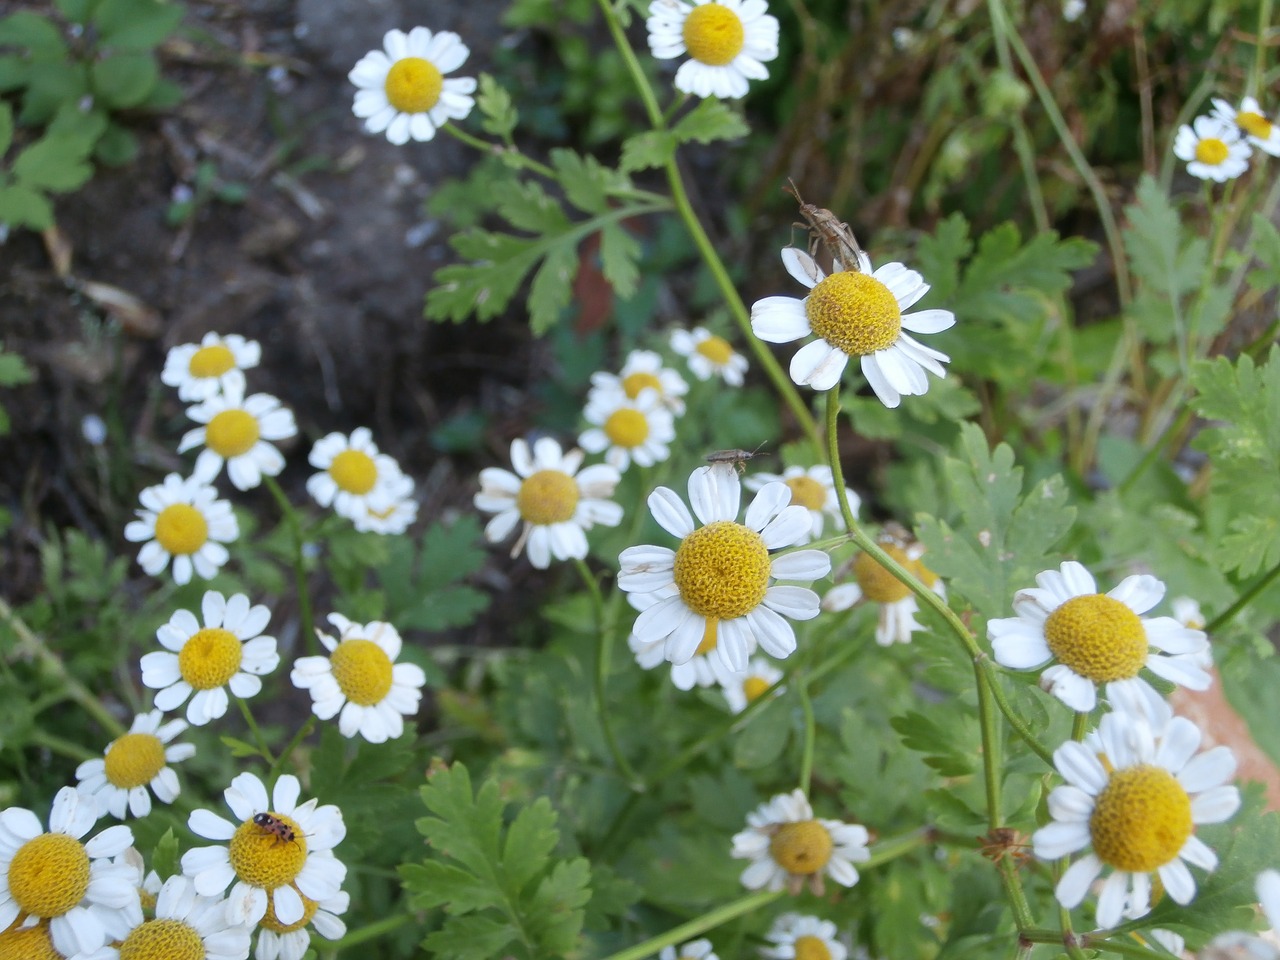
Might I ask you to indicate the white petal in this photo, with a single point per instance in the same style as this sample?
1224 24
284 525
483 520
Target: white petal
1075 883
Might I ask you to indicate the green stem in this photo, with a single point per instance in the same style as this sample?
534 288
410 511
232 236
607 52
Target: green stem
68 749
31 644
1176 427
1227 615
1092 941
684 209
1013 890
810 734
1021 138
509 154
603 655
303 732
370 931
253 729
1260 49
708 921
290 517
1079 724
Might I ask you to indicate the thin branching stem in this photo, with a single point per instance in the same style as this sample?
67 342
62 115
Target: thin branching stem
291 520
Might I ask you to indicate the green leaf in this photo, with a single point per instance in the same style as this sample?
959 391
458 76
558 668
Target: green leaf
494 103
1266 248
52 86
948 746
470 938
526 206
653 148
711 120
164 858
124 79
23 207
552 288
136 24
423 585
53 164
77 11
620 256
13 73
32 32
13 369
6 128
555 911
117 147
484 288
239 748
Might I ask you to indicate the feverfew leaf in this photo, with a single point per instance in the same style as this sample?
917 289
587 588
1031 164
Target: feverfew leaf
1266 248
424 585
586 182
552 288
711 120
653 148
495 106
619 257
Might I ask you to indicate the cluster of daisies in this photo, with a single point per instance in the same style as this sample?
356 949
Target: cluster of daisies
183 522
1219 145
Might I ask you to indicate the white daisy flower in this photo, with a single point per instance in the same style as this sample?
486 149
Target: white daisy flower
215 364
709 355
814 489
715 589
279 851
693 950
235 432
855 313
1171 941
356 478
1212 148
51 876
185 925
643 368
361 678
390 510
703 669
28 943
131 763
1135 813
797 937
289 941
897 604
227 652
728 43
554 501
1258 129
789 848
1094 638
183 521
1186 611
403 89
743 689
628 430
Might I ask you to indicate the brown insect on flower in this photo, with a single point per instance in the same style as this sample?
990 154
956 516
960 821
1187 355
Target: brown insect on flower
736 458
832 232
276 827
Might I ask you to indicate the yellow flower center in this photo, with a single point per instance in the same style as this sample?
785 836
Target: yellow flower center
134 759
49 875
261 858
212 361
810 947
801 848
854 312
147 899
363 671
232 433
716 349
722 570
162 940
626 428
1254 124
414 85
713 34
272 923
181 529
877 583
28 943
1212 151
354 471
807 492
210 658
754 687
1097 637
547 497
636 382
1141 820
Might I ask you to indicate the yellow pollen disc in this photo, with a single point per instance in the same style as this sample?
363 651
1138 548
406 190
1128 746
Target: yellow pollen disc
162 940
49 875
715 349
181 529
636 382
1254 124
923 573
877 583
210 658
272 923
1141 820
232 433
626 428
413 85
1212 151
547 497
713 34
854 312
28 943
810 947
722 570
134 759
211 361
801 848
363 671
710 636
148 900
1097 637
754 687
354 472
262 859
807 492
